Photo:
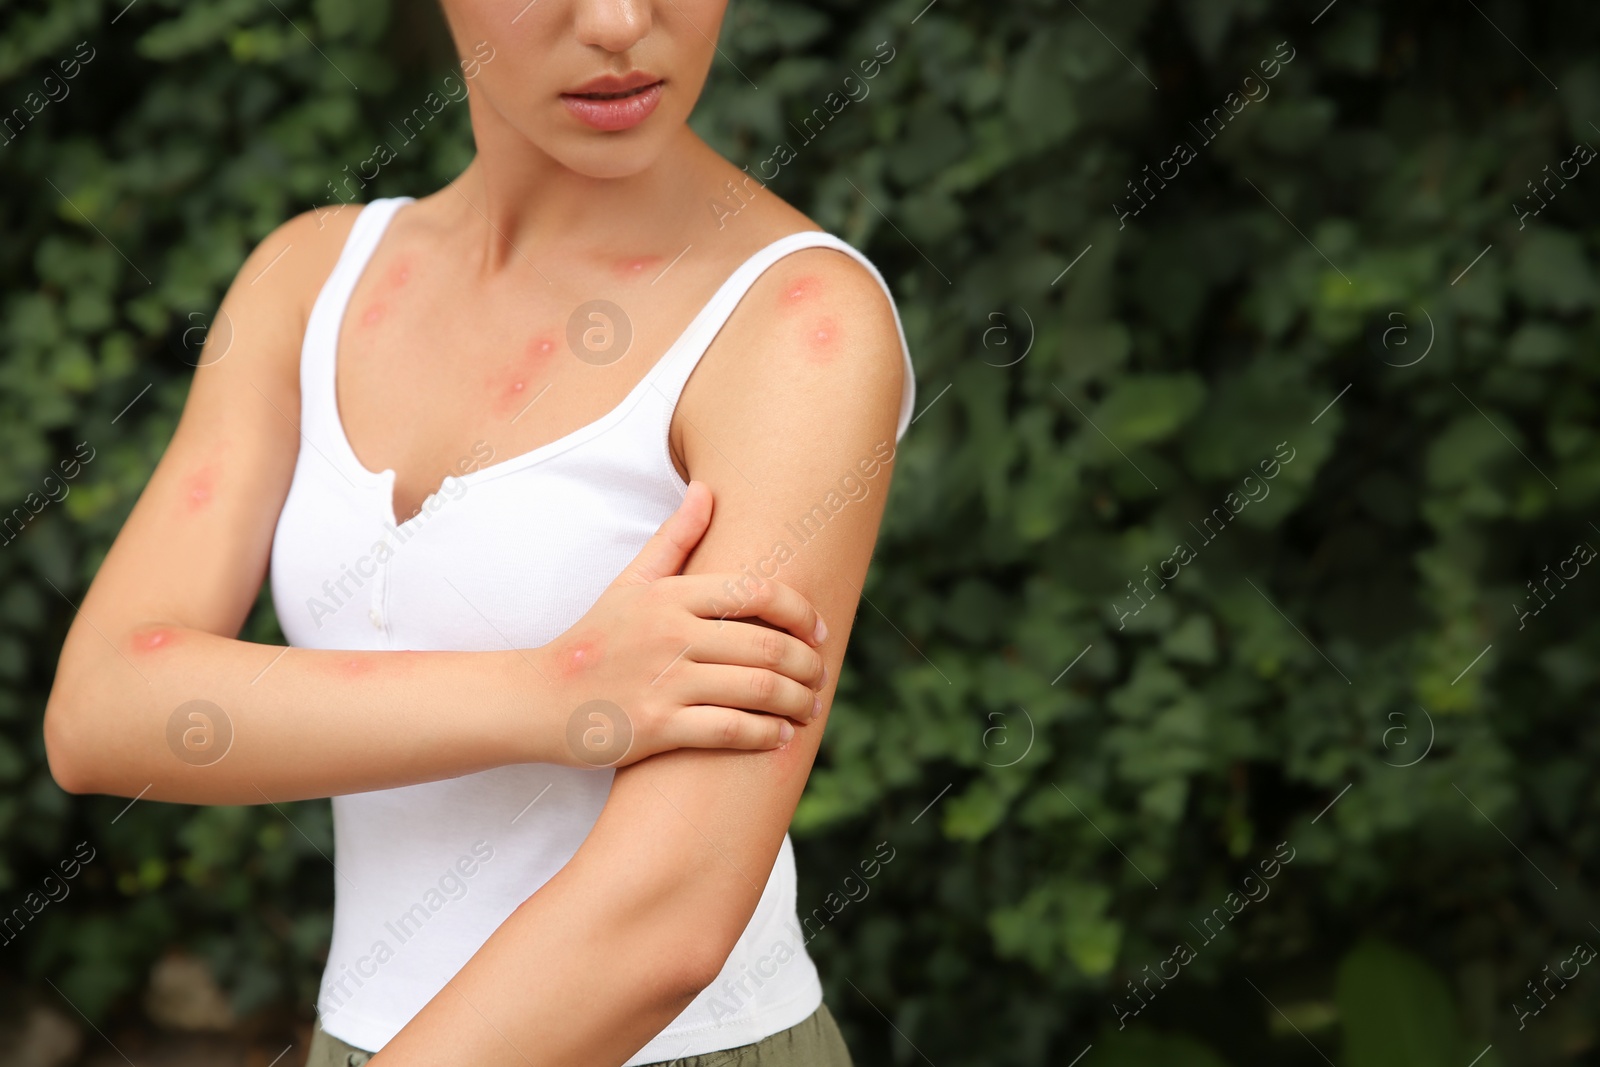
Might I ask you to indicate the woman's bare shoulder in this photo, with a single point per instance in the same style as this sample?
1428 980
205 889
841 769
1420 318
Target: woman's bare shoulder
819 322
269 302
811 282
288 267
815 303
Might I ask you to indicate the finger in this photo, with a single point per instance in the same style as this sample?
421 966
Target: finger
750 645
749 688
744 596
669 547
711 726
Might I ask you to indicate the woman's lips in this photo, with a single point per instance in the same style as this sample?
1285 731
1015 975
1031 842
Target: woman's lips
614 111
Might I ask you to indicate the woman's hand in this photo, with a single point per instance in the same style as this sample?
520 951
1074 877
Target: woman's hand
654 665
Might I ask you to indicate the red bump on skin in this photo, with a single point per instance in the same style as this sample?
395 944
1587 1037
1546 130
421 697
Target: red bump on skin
373 313
155 638
199 487
509 391
800 289
822 340
400 273
577 657
514 385
351 668
636 266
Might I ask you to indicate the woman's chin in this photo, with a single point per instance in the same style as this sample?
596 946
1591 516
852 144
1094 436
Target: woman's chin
603 156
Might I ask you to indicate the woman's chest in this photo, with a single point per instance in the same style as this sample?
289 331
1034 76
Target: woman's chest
432 372
507 561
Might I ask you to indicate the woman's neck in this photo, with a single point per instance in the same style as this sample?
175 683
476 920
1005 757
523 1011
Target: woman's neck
514 198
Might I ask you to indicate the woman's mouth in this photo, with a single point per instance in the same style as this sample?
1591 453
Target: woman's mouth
613 107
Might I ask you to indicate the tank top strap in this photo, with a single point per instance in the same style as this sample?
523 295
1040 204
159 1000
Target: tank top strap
319 404
671 375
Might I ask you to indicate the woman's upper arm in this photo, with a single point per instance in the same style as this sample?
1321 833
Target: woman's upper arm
793 429
194 550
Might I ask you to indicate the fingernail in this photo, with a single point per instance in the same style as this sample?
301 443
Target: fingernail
816 706
824 676
785 732
820 634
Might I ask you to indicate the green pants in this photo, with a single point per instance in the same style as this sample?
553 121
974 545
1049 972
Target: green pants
815 1042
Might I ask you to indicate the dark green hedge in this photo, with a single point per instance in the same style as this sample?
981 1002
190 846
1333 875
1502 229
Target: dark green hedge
1258 395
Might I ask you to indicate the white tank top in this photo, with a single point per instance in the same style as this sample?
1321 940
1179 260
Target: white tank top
515 551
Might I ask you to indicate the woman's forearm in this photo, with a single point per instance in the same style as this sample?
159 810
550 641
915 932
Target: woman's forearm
542 997
603 957
177 714
180 713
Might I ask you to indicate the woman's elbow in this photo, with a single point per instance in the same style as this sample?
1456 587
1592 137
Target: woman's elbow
700 962
683 948
71 764
701 947
685 971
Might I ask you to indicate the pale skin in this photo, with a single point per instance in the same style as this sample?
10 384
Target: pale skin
457 324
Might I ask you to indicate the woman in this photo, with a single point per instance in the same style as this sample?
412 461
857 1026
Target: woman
463 429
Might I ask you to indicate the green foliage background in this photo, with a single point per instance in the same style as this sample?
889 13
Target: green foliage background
1362 609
